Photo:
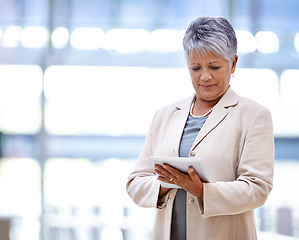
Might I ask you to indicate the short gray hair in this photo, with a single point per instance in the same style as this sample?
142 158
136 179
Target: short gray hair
214 34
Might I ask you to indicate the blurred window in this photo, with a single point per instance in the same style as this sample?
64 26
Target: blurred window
35 37
289 85
260 85
87 38
267 42
20 91
76 199
11 36
109 100
21 196
246 42
296 42
287 115
60 37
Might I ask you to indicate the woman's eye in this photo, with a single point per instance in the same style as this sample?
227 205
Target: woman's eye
195 69
215 68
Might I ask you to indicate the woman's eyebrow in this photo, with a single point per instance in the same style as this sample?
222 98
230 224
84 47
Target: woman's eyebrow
214 62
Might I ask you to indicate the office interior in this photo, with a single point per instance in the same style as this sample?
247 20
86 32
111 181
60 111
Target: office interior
80 81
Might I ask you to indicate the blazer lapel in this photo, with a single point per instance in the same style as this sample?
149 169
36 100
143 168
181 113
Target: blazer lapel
229 99
180 117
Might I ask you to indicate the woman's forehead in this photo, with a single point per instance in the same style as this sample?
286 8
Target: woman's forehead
205 56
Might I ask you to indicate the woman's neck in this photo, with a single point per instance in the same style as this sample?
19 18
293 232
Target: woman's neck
203 108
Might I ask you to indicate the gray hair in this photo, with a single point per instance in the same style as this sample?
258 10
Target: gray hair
214 34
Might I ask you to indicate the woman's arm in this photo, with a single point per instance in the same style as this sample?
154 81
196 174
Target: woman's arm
254 172
142 185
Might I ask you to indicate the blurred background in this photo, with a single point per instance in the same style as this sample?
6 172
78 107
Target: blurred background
79 83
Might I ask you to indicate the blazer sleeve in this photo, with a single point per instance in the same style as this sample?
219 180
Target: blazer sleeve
142 185
254 173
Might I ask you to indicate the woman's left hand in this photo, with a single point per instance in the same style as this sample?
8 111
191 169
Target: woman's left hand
190 182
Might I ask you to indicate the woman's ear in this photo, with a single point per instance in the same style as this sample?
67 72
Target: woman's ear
234 64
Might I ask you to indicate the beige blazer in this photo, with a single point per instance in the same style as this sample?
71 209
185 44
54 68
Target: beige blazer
237 146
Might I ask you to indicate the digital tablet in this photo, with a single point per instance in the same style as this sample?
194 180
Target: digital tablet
182 164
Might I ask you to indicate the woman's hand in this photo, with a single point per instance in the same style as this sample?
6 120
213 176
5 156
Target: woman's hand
190 182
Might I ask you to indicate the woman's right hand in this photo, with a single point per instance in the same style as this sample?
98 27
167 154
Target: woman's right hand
190 181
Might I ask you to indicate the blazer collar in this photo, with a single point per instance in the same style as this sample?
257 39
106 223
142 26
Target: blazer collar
229 99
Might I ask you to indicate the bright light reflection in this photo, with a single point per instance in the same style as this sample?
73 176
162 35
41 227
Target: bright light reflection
20 187
60 37
72 175
109 232
282 194
296 42
11 36
93 95
126 40
14 86
19 98
267 42
30 229
260 85
165 40
12 110
21 196
112 213
35 37
87 38
1 33
246 42
289 85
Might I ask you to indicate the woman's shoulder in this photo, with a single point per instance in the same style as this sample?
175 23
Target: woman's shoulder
251 110
245 106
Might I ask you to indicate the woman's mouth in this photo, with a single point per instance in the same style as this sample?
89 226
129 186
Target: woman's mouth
207 86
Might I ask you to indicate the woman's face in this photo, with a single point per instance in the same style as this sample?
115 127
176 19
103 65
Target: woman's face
210 75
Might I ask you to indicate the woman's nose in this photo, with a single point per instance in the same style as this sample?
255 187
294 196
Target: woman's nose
205 75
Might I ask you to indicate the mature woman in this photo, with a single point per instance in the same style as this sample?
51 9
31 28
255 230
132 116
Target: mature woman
231 134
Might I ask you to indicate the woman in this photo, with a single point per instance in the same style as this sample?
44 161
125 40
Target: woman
232 135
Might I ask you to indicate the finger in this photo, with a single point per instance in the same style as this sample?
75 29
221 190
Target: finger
163 173
193 175
167 180
171 170
159 173
161 170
